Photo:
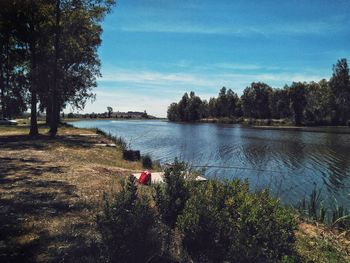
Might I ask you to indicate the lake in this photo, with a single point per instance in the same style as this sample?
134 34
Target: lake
290 163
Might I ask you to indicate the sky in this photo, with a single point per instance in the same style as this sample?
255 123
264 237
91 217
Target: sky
153 51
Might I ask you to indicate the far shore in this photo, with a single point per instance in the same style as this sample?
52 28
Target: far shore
320 129
275 125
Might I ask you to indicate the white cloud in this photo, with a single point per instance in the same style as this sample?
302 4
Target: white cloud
156 78
299 28
153 91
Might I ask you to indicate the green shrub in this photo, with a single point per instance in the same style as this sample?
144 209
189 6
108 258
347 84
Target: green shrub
225 222
171 197
147 162
131 155
128 226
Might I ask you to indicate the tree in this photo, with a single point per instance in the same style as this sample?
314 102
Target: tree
189 108
256 100
76 65
279 104
194 108
317 102
340 87
173 112
212 108
50 48
110 111
183 103
12 78
225 104
297 94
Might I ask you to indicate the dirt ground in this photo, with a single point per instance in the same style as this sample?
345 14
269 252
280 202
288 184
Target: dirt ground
51 191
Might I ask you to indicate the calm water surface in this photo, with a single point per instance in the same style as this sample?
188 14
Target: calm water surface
290 163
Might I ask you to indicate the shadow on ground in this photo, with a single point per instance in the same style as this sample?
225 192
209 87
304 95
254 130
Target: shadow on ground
29 200
42 142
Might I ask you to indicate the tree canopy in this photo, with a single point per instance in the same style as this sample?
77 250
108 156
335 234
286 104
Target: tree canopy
48 55
314 103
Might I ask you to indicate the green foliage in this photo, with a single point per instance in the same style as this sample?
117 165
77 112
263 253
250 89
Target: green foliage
171 196
279 104
189 108
314 103
225 105
128 227
50 50
340 87
256 101
131 155
318 99
297 94
225 222
147 162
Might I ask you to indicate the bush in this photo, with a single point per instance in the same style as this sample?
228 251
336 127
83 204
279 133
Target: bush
171 197
225 222
147 162
131 155
128 226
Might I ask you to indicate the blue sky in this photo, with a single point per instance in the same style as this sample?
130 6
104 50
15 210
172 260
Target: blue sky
155 50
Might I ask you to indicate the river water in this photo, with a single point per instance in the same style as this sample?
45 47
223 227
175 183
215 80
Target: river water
290 163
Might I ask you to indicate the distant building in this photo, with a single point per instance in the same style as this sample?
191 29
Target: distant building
116 115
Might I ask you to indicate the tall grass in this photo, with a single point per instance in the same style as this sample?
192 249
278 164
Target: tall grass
119 141
313 207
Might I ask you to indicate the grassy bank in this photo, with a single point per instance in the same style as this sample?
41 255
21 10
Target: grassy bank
51 192
52 189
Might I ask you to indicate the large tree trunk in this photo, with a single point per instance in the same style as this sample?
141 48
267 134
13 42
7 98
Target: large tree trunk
7 112
2 93
55 100
33 113
33 90
48 115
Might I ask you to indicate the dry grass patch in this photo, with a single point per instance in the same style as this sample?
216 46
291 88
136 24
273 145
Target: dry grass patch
317 243
51 191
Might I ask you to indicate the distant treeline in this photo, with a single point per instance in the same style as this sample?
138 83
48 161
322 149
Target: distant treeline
314 103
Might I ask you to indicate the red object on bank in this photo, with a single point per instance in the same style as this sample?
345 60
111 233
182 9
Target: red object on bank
145 177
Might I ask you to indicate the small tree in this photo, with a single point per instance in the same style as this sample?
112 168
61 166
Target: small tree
340 87
110 111
172 196
170 200
127 226
297 94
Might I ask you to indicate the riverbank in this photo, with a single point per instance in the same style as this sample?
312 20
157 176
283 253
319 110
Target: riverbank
52 189
278 124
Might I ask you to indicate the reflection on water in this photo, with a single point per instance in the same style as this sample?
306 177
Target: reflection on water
290 163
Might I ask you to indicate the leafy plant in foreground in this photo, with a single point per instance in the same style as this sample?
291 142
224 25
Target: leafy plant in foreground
127 226
225 222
